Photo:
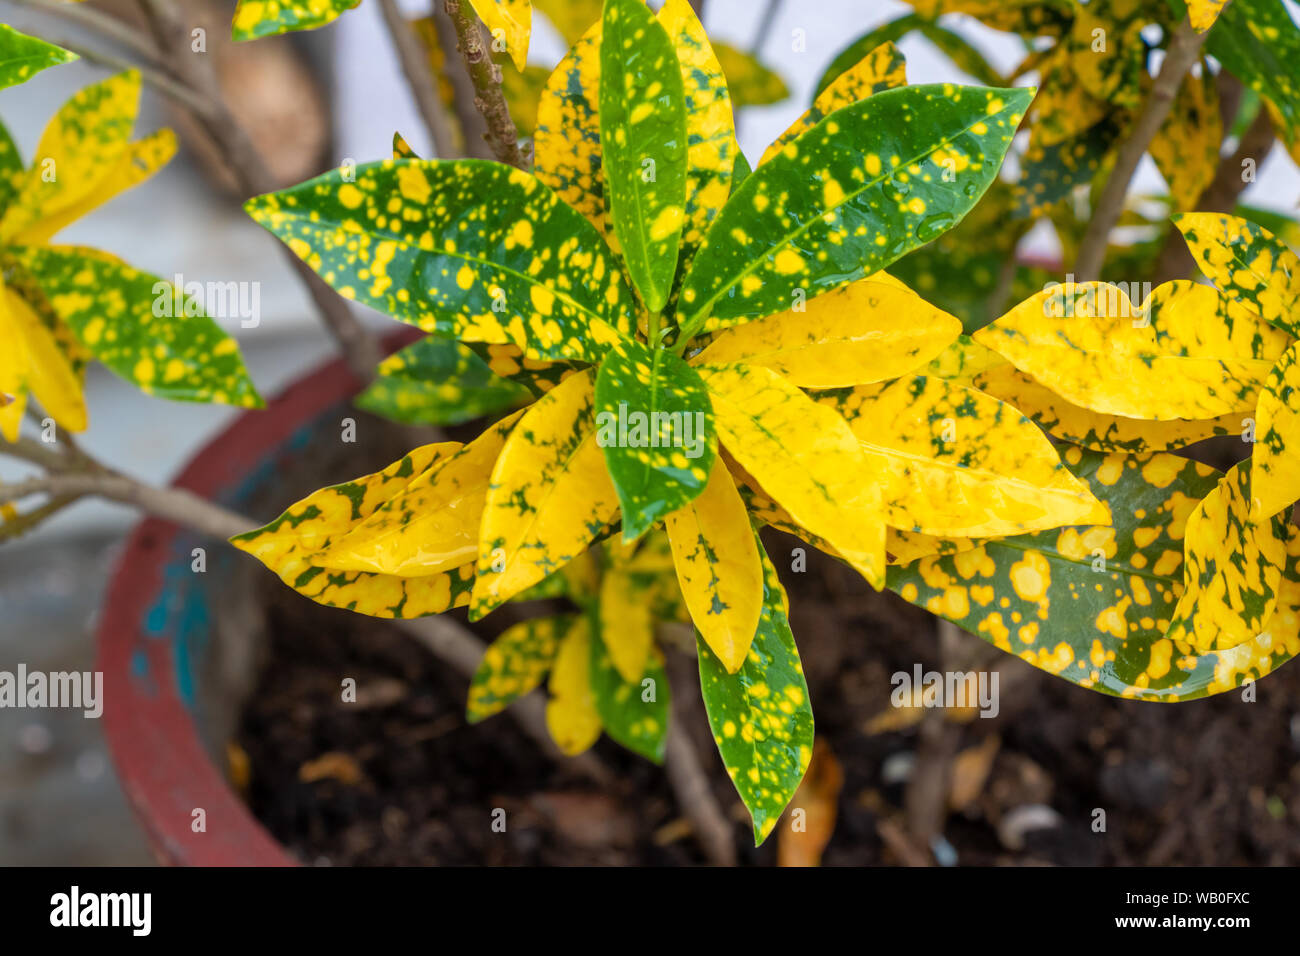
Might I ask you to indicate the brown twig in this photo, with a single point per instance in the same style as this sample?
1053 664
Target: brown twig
419 79
1183 51
490 99
107 26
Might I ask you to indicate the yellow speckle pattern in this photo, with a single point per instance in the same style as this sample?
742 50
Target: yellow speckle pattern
514 664
260 18
22 57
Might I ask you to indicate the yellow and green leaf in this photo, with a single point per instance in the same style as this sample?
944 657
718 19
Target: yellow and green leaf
572 18
509 22
514 665
634 710
22 57
531 272
866 185
761 716
749 82
718 568
869 331
643 145
571 714
261 18
1275 461
1258 43
1186 148
549 496
35 362
1203 13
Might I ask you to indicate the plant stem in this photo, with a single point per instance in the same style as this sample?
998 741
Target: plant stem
502 135
108 27
1183 51
420 79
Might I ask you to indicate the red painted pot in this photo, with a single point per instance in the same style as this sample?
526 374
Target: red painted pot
156 624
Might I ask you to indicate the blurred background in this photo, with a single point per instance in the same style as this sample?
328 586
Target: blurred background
321 98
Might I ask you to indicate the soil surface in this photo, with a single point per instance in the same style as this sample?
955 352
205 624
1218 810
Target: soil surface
399 778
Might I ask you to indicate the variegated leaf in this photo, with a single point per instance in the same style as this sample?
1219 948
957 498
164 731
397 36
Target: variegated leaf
531 272
1186 148
634 711
1258 43
654 424
718 568
514 665
749 82
1275 461
882 68
572 18
1233 567
34 361
857 191
571 714
1247 263
1186 352
22 57
643 144
963 55
549 495
1052 171
805 456
291 543
261 18
509 362
626 625
761 716
1112 71
871 330
510 22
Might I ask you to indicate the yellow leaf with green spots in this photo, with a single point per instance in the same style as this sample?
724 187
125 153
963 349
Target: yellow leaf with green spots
868 184
654 424
1073 601
1232 568
431 525
805 456
566 147
572 18
510 22
711 149
261 18
952 461
1063 109
633 710
1186 352
761 716
514 665
865 332
1247 263
643 144
22 57
1067 421
1186 148
36 363
749 82
883 68
1203 13
437 381
904 547
290 546
963 362
1275 484
531 272
716 558
80 147
549 497
141 160
625 624
1111 64
571 714
141 327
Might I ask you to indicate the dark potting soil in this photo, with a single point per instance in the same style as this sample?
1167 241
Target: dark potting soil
399 778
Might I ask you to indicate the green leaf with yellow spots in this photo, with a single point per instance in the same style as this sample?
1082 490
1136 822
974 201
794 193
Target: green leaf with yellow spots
1259 44
882 68
634 711
643 144
1052 171
571 714
805 456
11 167
872 330
1275 461
550 495
431 524
143 328
1186 352
514 664
1232 569
263 18
761 716
525 268
711 147
510 363
719 571
511 23
291 544
952 461
437 381
1071 601
866 185
1186 148
22 57
654 424
749 82
1072 423
1247 263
